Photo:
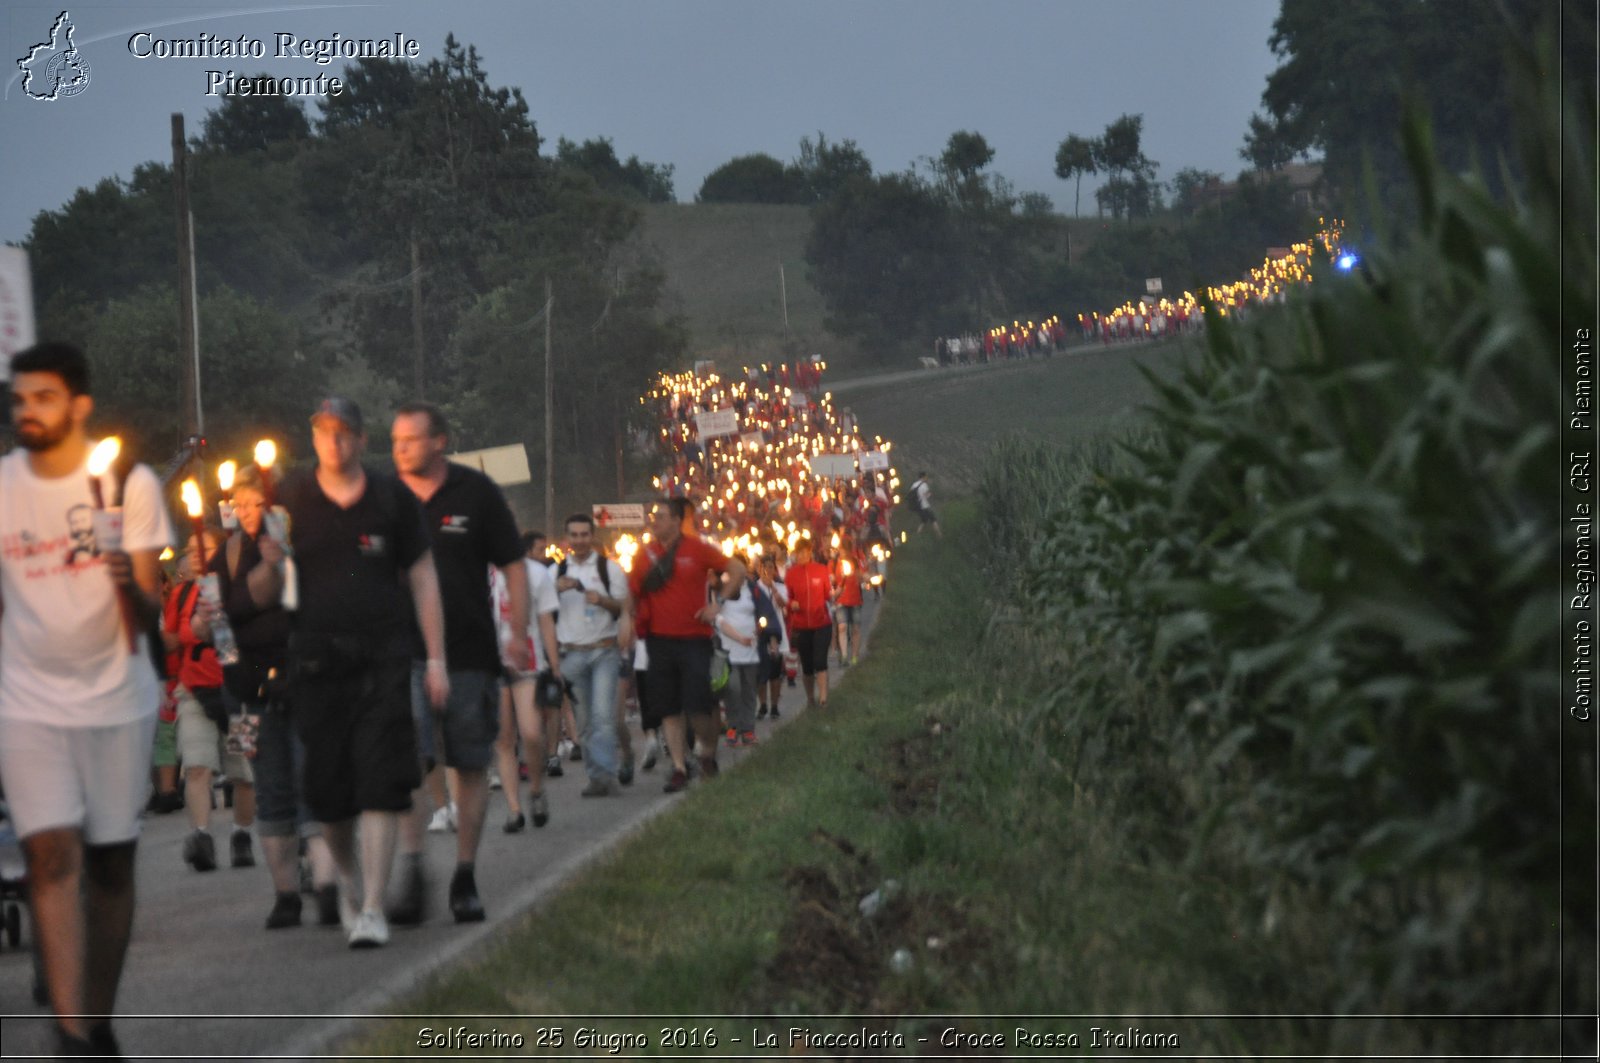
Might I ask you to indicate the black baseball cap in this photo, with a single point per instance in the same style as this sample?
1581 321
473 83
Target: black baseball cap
343 409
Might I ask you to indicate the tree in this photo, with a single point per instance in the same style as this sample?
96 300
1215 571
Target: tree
757 178
251 123
1268 145
1130 189
1075 157
885 255
823 168
965 155
1191 188
1346 73
645 181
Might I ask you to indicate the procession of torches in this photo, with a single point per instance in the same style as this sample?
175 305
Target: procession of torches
775 478
1157 316
1267 283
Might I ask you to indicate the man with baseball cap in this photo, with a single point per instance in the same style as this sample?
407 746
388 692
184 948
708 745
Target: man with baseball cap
362 552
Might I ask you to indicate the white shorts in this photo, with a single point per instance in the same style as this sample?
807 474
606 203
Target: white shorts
92 778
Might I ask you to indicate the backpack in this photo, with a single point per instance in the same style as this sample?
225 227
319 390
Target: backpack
916 497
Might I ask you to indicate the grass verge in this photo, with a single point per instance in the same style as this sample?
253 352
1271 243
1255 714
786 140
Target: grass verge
1002 887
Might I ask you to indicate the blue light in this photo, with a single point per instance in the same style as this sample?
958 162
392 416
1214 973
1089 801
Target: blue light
1346 260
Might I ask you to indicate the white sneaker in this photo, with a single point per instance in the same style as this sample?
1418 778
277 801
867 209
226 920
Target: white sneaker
371 931
443 820
650 753
494 779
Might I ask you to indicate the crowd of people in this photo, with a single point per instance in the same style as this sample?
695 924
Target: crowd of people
364 656
1150 317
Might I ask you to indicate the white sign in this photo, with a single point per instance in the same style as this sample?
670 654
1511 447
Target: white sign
620 515
717 423
505 465
1152 285
704 367
16 306
873 460
833 466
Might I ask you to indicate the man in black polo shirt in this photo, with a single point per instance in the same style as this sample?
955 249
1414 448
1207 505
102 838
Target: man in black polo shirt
362 553
471 529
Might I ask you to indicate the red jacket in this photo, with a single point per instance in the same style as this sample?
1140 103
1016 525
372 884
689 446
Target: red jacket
810 587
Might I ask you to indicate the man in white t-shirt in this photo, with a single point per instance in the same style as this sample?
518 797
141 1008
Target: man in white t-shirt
78 689
593 628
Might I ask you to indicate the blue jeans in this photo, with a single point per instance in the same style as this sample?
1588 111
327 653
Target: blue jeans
280 758
593 675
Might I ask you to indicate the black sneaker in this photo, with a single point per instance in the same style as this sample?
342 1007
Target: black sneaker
761 712
464 902
412 907
514 824
285 912
103 1043
540 809
199 851
327 904
625 774
552 767
577 752
242 854
677 783
775 712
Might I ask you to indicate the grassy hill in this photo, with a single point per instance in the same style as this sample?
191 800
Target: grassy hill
722 263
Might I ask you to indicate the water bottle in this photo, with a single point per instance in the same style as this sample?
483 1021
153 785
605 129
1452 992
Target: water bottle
222 640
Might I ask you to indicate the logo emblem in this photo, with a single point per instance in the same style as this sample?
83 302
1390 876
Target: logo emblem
55 68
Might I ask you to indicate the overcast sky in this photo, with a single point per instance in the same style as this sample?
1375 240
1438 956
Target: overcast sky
691 82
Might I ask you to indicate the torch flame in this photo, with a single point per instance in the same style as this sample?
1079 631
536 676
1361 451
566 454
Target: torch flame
225 474
190 493
266 454
104 455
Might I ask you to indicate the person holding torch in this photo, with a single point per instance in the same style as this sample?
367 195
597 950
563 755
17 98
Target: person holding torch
77 705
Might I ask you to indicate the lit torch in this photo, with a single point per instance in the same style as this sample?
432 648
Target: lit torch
108 525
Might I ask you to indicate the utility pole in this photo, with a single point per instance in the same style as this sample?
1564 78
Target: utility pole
616 420
188 329
549 422
418 357
783 290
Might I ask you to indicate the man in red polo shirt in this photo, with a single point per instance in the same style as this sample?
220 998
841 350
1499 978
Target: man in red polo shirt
672 577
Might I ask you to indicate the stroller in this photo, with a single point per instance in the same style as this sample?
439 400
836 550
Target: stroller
13 879
14 896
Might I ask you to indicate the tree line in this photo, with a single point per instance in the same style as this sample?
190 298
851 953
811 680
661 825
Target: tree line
394 245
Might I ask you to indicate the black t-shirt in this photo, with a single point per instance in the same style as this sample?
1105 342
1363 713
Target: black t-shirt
471 528
352 563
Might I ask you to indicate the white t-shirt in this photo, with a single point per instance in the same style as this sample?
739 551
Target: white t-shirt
580 623
541 600
738 616
64 656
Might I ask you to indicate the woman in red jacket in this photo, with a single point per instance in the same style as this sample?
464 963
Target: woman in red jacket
810 622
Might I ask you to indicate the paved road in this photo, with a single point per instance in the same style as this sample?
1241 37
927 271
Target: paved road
899 376
205 981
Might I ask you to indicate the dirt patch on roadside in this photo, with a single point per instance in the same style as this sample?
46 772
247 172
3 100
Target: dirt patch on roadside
855 942
914 769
